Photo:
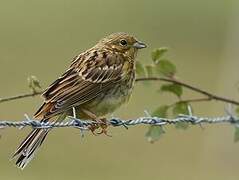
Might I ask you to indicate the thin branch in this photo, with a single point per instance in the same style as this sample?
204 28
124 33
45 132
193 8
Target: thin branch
193 88
209 95
197 100
20 96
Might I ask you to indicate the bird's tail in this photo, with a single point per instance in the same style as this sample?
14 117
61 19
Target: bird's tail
29 146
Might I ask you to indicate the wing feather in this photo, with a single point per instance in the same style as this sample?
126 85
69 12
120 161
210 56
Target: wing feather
86 79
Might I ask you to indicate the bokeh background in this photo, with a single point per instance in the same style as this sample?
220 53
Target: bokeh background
40 38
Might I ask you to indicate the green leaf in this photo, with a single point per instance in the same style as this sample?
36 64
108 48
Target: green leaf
161 111
236 134
140 71
34 83
182 125
237 110
158 53
173 88
149 70
166 68
181 108
154 133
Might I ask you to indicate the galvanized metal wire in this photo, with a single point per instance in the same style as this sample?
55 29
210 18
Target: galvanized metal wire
73 122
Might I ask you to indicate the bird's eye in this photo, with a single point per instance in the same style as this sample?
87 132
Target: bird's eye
123 42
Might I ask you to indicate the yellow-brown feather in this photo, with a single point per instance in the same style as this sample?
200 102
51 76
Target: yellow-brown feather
98 80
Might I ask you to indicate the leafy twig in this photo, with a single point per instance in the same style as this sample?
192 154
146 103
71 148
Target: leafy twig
209 95
193 88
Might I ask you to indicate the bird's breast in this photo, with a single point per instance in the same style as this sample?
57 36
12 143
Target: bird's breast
108 101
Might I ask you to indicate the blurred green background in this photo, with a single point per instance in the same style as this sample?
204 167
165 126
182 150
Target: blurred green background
40 38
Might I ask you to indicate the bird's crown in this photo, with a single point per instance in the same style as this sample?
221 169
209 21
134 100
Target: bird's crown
121 42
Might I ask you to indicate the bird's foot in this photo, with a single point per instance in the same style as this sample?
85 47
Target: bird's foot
93 128
99 123
103 125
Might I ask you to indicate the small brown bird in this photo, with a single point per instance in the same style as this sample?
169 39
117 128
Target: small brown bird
97 82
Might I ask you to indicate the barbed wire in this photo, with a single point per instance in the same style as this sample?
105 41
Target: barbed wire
73 122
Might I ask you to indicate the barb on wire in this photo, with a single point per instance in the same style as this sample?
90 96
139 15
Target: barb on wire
73 122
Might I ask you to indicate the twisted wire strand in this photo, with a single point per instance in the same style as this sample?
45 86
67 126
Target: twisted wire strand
73 122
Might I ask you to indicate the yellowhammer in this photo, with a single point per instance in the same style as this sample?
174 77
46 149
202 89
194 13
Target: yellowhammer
97 82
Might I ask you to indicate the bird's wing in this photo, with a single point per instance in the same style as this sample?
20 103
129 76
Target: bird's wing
88 76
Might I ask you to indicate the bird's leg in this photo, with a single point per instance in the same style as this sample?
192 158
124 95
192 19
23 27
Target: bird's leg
103 125
91 115
100 123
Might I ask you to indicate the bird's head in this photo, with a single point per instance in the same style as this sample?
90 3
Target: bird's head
122 43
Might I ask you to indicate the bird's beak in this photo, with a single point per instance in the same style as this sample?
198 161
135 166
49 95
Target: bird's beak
139 45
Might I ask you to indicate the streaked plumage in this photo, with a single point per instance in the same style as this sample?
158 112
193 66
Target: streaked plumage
97 82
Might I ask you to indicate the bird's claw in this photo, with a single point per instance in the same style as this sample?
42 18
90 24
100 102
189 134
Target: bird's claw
93 128
101 123
104 131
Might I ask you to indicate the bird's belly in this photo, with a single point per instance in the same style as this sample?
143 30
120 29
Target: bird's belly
108 105
108 102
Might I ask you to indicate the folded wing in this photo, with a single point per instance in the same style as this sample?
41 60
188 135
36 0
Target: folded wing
89 75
